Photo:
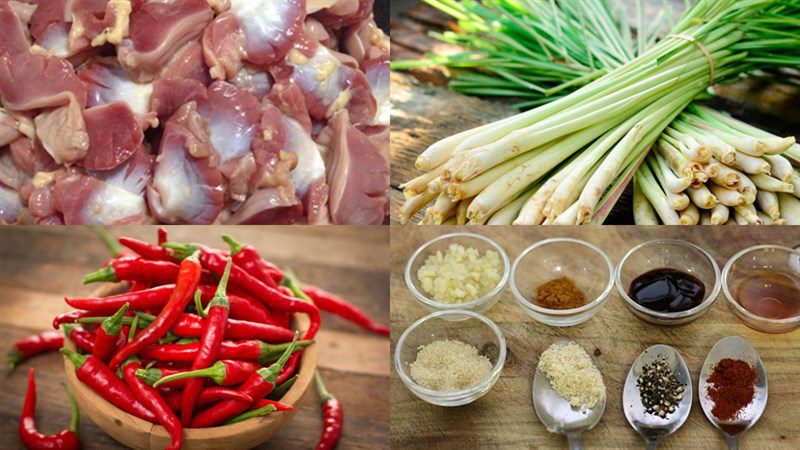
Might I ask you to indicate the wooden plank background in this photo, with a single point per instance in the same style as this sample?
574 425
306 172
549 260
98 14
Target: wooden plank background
41 265
504 418
424 111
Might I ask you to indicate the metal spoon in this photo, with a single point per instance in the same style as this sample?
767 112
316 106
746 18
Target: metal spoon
556 413
652 427
734 347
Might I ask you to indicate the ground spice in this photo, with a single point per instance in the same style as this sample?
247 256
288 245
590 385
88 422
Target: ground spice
560 293
732 387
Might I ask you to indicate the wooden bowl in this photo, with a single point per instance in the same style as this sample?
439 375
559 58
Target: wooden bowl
140 434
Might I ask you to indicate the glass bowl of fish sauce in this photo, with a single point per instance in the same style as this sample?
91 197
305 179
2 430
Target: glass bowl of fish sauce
762 285
578 267
668 281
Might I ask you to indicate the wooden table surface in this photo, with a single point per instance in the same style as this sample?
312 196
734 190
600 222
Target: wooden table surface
505 418
41 265
424 111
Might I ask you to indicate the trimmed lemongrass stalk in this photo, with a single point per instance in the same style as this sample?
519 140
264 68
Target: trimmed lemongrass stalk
740 219
690 215
747 187
767 220
745 144
720 214
643 212
677 160
568 217
420 184
790 208
461 211
702 197
720 149
751 164
711 168
671 180
748 213
532 212
725 176
705 218
415 204
690 146
774 144
507 214
442 208
768 202
769 183
450 221
796 183
728 197
656 196
781 167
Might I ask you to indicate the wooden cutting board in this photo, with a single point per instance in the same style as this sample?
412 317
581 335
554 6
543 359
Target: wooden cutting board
41 265
505 418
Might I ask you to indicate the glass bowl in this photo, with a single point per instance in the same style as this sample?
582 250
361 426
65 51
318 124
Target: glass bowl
466 326
783 260
441 243
668 253
587 265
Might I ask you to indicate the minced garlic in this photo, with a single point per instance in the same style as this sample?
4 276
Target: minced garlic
460 274
573 375
449 365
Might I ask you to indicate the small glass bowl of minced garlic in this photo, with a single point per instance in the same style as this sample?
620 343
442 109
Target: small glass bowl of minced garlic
450 358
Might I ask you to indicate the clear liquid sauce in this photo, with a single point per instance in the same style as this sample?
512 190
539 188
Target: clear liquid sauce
771 295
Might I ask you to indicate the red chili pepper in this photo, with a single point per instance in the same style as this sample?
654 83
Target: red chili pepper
138 269
188 279
153 400
98 376
83 339
247 257
146 250
208 395
162 235
332 303
225 372
270 296
105 344
290 369
278 405
191 325
332 416
259 385
70 317
155 297
245 350
242 307
260 408
31 437
30 346
215 324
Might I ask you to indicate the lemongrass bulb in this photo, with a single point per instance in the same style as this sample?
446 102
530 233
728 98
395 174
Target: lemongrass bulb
643 212
748 213
705 218
765 219
726 176
790 208
769 183
781 167
748 145
768 202
720 149
678 202
751 164
690 215
702 197
796 183
719 214
777 145
728 197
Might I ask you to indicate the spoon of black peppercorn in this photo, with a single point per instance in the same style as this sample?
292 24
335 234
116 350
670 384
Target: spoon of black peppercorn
668 401
734 347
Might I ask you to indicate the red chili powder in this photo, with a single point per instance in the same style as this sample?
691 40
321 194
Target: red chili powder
733 387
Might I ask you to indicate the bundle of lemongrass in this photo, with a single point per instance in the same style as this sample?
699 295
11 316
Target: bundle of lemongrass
568 161
709 168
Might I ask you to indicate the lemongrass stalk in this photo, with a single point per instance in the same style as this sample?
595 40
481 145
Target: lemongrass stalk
767 220
726 176
781 167
643 212
793 153
414 204
790 208
774 144
769 183
745 144
690 215
461 211
768 202
671 181
568 217
532 211
751 164
720 149
740 219
507 214
796 183
748 213
442 208
728 197
720 214
693 149
702 197
746 187
450 221
705 218
656 196
711 168
677 160
420 184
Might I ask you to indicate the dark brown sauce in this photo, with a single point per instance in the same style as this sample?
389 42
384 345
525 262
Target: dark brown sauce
667 290
771 295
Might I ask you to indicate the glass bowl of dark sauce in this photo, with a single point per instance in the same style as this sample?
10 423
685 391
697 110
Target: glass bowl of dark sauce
667 282
762 286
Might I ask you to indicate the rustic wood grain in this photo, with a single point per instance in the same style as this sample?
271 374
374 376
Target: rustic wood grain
505 418
41 265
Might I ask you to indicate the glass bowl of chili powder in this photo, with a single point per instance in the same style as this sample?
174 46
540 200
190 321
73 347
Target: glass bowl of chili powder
669 254
762 286
568 268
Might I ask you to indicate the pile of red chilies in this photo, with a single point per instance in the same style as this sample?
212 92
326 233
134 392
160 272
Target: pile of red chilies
202 338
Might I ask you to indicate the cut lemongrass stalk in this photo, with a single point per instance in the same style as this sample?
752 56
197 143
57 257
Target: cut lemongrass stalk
443 208
728 197
765 219
726 176
568 217
461 211
677 160
720 149
790 208
656 196
769 183
796 183
643 212
702 197
781 167
507 214
774 144
705 218
690 215
748 213
768 202
740 219
672 182
720 214
678 202
711 168
415 204
420 184
751 164
693 149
